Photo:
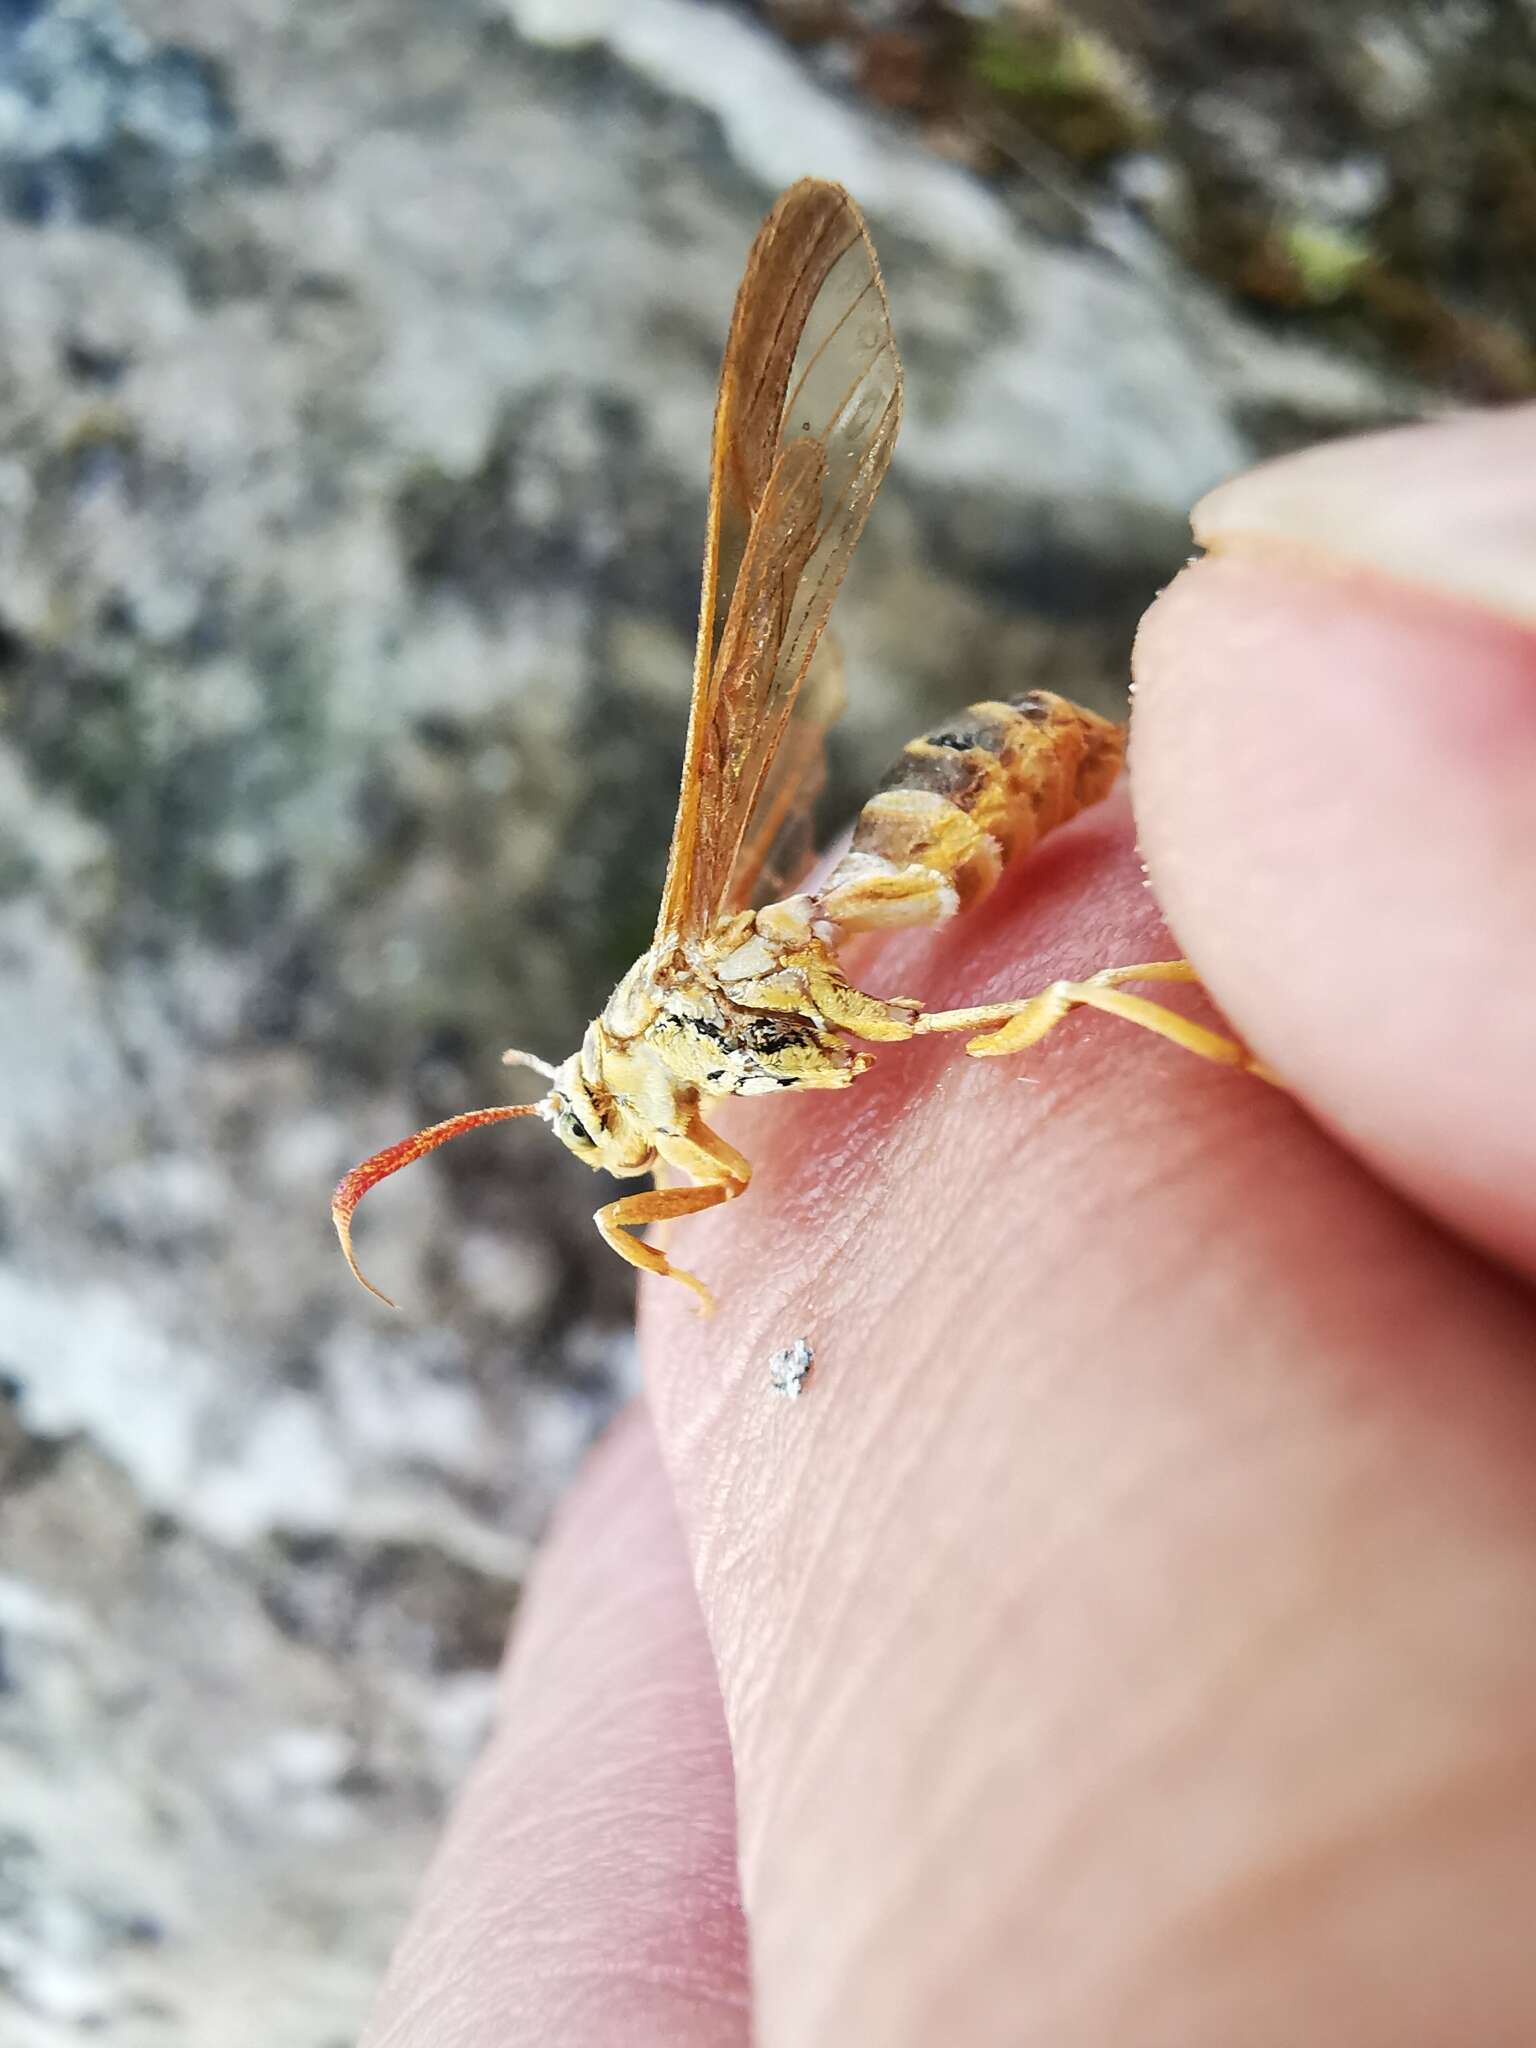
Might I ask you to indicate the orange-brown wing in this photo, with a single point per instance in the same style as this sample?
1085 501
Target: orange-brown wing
810 400
780 841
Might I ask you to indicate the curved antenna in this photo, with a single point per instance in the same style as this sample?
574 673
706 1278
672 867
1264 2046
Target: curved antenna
353 1186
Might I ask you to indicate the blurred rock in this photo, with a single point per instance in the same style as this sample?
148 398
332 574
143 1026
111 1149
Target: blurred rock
356 372
1353 171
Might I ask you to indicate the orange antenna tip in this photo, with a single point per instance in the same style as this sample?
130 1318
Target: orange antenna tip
343 1202
354 1185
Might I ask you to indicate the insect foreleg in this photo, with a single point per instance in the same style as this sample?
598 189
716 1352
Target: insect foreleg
618 1220
705 1154
1011 1027
720 1172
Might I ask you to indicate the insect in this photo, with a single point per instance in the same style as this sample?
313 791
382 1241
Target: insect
741 991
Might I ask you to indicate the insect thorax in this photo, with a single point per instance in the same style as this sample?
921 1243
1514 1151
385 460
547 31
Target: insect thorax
742 1012
717 1047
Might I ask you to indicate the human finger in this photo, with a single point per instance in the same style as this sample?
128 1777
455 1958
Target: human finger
1126 1635
1334 766
585 1892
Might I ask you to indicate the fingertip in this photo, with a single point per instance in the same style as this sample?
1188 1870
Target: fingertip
1448 507
1334 770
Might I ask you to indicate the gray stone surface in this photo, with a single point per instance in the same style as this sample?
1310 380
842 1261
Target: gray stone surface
356 368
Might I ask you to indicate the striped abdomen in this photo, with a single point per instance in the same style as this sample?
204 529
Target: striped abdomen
962 801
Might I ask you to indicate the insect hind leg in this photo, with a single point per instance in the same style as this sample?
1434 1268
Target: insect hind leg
1002 1028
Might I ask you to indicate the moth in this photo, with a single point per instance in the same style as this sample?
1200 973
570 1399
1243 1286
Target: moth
741 991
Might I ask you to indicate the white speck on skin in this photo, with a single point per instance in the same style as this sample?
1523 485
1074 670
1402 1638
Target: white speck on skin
787 1369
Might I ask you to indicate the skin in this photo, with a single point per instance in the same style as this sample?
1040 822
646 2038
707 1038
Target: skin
1130 1635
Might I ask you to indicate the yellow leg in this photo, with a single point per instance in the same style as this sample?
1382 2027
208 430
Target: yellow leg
617 1220
661 1236
1013 1026
724 1174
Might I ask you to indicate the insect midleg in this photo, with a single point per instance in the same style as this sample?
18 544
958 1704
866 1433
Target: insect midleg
1010 1027
964 800
720 1173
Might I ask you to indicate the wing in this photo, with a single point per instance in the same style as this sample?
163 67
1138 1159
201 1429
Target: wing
780 840
810 400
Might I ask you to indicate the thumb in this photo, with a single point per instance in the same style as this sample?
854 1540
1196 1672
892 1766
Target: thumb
1335 779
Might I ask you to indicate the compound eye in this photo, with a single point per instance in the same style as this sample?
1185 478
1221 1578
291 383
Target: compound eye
574 1129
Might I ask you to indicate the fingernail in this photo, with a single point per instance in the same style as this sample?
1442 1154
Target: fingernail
1449 507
